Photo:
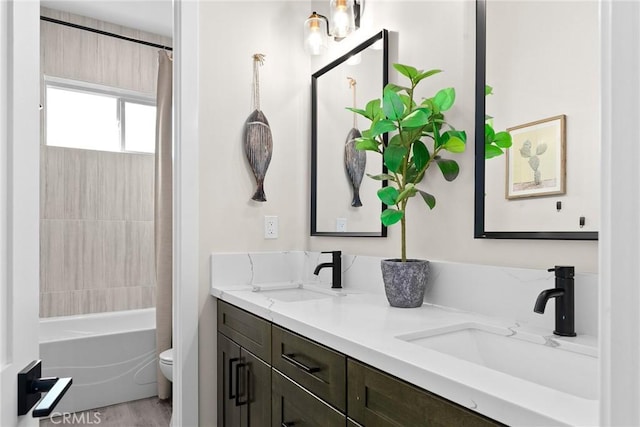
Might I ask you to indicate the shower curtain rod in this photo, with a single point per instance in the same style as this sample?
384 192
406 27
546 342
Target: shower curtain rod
104 33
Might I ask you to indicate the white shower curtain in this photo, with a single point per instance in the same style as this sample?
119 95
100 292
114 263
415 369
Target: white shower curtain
163 217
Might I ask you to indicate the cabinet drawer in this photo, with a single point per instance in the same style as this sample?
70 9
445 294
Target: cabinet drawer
246 329
377 399
315 367
292 405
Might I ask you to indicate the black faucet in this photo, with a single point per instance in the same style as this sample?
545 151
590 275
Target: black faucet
336 265
563 293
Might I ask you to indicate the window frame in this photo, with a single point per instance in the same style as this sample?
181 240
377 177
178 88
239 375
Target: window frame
122 96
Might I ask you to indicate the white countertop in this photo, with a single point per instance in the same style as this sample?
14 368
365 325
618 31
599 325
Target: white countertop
363 326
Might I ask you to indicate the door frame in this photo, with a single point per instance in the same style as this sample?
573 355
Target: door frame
185 213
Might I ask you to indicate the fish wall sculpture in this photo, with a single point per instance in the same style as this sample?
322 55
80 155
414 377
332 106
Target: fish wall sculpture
258 141
355 161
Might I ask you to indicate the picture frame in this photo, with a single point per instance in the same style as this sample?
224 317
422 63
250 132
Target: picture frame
536 162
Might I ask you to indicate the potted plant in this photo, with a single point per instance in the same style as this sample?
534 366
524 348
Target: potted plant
419 136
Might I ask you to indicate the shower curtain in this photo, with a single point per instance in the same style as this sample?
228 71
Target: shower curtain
163 214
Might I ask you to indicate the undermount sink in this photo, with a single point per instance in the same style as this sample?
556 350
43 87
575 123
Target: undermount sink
565 366
294 292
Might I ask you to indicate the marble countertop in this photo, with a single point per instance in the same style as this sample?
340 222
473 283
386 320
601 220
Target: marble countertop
363 326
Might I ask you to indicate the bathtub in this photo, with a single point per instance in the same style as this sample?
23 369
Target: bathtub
111 357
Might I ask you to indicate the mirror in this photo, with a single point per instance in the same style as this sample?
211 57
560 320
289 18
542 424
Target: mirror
542 61
337 177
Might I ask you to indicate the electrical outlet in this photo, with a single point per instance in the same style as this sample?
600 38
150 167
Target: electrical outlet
341 225
270 227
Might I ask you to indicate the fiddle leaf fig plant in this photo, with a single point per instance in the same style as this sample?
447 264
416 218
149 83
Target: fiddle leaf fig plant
494 142
419 136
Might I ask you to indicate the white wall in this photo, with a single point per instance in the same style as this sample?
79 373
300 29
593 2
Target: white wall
441 35
230 33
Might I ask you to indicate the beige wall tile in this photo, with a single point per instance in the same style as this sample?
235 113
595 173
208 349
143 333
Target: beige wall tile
81 182
73 254
139 262
111 185
114 253
93 257
52 256
139 172
52 194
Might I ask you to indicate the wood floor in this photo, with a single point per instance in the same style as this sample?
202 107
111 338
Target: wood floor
151 412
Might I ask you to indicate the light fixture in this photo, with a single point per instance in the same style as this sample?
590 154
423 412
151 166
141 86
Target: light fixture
315 34
345 18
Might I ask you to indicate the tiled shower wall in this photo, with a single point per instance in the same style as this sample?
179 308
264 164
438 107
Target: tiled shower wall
96 227
96 221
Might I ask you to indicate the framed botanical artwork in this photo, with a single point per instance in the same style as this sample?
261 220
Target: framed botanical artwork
536 160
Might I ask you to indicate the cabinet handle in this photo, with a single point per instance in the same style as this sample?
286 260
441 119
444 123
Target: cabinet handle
290 358
231 362
240 366
291 424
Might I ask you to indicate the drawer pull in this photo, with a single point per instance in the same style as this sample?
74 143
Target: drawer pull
290 358
231 382
291 424
240 366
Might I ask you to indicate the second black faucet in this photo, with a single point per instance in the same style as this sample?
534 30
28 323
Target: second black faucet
336 267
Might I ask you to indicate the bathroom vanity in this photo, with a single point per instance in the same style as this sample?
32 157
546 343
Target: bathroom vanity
307 382
291 349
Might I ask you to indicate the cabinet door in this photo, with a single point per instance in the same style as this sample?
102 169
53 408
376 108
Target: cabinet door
376 399
255 390
228 359
294 406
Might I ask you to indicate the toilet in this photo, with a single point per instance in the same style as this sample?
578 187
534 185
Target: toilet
166 364
166 367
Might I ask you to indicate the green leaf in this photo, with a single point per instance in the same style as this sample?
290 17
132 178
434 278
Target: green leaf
409 104
391 216
455 145
409 191
382 177
488 90
382 126
415 119
503 139
445 98
396 88
457 133
449 168
424 75
364 144
412 174
388 195
396 140
489 134
358 111
491 151
393 156
406 70
420 155
392 105
428 199
373 109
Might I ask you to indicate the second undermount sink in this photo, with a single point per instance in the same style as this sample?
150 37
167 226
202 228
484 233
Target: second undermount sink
294 292
566 366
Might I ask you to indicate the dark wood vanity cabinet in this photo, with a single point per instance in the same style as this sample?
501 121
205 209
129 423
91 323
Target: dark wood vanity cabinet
268 375
244 378
376 399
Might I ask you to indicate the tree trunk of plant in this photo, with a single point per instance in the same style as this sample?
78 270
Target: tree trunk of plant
403 236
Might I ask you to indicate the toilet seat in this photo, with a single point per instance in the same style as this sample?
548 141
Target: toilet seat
166 357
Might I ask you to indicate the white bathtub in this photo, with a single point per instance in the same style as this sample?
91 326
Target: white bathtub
111 357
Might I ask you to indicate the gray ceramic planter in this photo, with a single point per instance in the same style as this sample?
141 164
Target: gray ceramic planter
405 282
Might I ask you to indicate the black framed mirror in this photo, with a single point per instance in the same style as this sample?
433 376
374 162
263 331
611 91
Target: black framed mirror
542 62
344 200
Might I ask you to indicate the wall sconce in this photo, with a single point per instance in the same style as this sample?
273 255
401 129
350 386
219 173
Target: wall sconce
345 18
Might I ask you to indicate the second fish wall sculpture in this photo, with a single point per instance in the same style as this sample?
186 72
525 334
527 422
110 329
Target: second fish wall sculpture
258 142
355 161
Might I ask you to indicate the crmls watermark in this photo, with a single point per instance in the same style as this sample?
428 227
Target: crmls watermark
77 418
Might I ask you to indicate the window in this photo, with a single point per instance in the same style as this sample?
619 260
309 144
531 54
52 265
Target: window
92 117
